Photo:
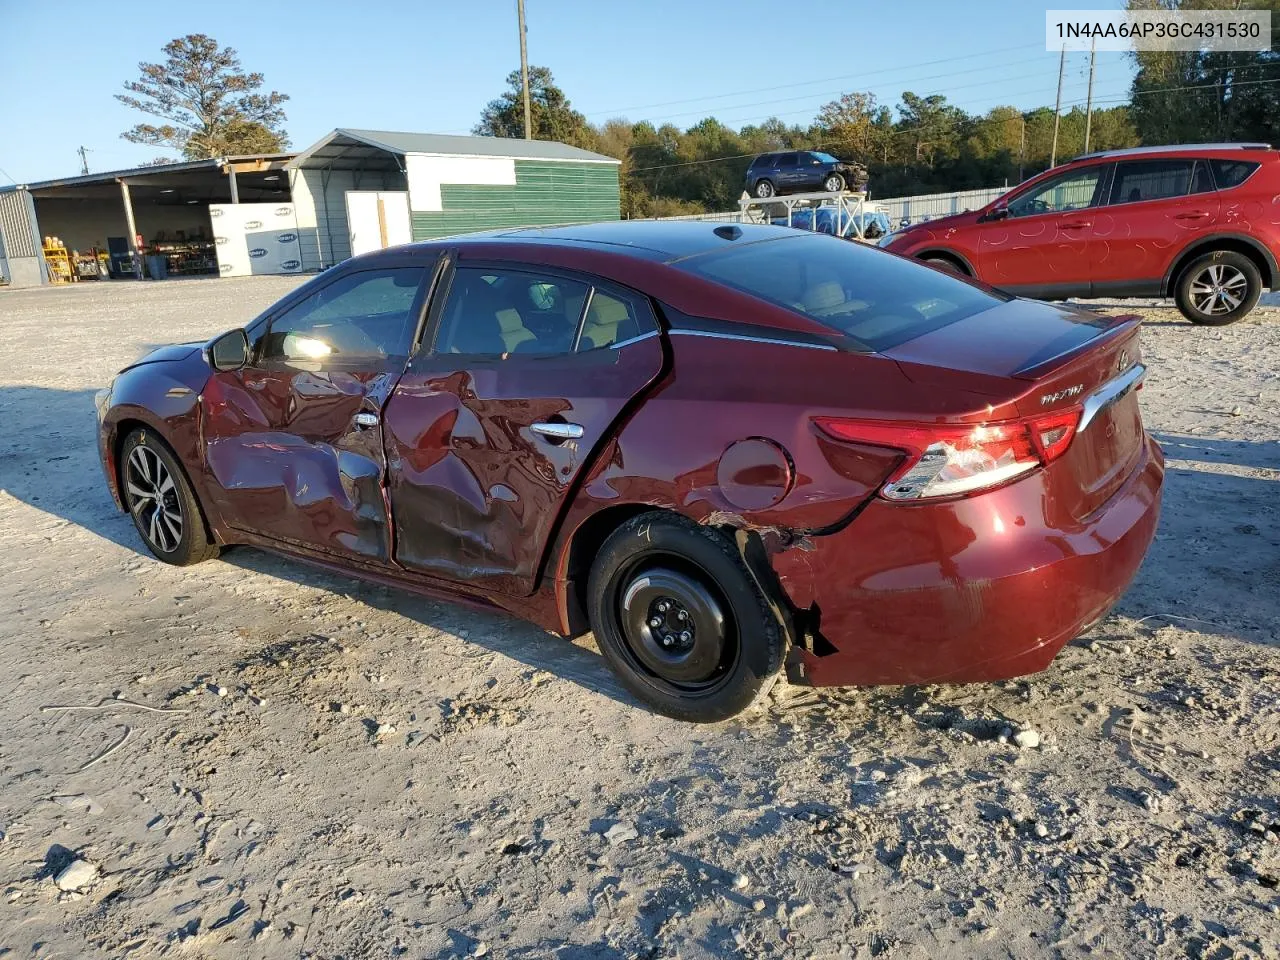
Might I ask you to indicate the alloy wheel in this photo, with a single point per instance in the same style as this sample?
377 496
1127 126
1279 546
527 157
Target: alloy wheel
1219 289
834 184
675 627
153 499
764 189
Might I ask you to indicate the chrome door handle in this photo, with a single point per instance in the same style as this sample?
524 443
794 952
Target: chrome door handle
1077 224
1196 215
558 431
366 420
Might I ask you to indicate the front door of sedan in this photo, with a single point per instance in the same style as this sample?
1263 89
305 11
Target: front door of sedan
1042 243
293 442
489 429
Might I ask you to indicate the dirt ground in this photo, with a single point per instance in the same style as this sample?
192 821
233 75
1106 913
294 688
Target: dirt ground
279 820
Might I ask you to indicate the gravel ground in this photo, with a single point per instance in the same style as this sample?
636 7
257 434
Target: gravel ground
344 771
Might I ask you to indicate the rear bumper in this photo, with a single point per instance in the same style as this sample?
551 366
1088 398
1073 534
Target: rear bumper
972 590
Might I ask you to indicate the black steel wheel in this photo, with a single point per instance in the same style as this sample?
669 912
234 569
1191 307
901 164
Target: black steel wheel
160 501
1218 288
680 619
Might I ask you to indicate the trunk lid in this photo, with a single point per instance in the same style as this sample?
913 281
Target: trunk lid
1039 359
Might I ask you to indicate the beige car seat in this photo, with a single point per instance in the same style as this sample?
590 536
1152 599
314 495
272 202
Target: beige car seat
514 332
604 317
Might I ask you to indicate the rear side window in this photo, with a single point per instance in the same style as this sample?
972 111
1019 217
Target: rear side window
787 160
1141 180
1232 173
764 160
877 299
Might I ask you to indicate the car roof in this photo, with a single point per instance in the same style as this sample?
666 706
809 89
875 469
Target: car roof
1177 151
659 240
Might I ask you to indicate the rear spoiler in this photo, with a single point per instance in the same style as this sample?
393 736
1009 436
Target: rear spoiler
1118 328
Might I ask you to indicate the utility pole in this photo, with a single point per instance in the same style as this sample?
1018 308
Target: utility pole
84 160
1022 148
1088 110
1057 110
524 73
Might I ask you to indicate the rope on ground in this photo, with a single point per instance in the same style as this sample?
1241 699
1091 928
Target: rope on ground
106 703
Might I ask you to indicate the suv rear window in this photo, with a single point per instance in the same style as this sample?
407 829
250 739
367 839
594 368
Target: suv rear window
764 160
876 299
1232 173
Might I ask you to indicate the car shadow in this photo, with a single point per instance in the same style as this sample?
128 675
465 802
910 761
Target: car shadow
49 460
1216 556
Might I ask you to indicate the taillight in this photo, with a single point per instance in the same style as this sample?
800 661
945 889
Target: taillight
945 461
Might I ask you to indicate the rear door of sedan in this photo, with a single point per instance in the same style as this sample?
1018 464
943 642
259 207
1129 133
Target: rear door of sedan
522 375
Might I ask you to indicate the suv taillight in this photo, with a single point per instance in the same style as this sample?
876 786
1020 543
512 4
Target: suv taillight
947 461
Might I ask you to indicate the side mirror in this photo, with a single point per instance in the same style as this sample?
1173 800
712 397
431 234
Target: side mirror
229 351
997 213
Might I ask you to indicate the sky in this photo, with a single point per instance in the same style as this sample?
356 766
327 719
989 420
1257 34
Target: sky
430 66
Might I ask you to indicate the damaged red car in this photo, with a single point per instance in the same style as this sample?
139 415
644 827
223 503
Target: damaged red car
730 451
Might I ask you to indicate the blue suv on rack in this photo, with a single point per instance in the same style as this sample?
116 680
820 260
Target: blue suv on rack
803 171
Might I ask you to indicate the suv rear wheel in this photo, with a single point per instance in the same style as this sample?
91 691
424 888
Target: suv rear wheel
1218 288
763 189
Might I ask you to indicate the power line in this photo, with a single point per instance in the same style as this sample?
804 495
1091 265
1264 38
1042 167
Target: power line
925 93
836 93
806 83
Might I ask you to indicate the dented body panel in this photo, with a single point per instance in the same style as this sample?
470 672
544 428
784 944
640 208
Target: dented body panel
477 492
970 590
286 459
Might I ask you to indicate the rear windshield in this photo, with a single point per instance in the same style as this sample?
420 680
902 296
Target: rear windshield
878 299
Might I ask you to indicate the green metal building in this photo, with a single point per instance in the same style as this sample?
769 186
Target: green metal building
361 190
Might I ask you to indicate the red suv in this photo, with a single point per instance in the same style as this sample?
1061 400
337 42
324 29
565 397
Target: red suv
1196 222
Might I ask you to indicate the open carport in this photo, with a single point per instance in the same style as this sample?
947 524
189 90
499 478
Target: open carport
147 221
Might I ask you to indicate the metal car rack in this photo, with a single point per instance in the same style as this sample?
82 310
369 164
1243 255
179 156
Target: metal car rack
849 208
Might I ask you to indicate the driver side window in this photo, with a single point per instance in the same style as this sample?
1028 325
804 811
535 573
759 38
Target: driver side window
360 317
1071 191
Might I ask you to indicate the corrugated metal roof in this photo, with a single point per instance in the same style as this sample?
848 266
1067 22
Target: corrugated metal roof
349 144
151 170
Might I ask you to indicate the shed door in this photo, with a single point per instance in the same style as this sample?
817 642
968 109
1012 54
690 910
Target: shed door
377 219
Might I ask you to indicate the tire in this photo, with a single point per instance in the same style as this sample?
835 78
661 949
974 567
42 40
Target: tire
834 183
175 534
763 189
1218 288
729 657
946 264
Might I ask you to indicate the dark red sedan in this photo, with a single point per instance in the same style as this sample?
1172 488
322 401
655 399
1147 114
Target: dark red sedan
721 448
